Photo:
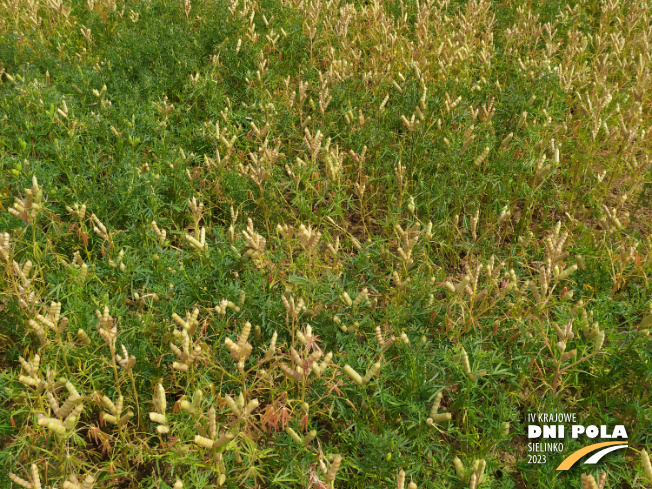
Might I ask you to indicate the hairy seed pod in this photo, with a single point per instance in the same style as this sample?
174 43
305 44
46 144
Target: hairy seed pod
125 418
588 482
379 336
180 366
357 378
109 418
188 407
459 467
109 404
20 481
462 285
335 466
157 418
223 440
203 442
36 479
293 434
647 467
568 355
309 437
567 273
232 405
400 479
646 323
436 403
441 417
597 344
251 406
373 370
83 337
244 335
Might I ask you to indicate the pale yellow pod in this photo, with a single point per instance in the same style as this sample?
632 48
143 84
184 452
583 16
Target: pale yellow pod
293 434
400 480
36 479
459 467
180 366
203 442
53 403
157 418
379 336
232 405
56 426
357 378
244 335
251 406
335 466
125 418
647 467
28 380
73 417
20 481
436 403
598 342
162 429
88 483
309 437
375 368
439 418
83 337
110 418
224 439
188 407
568 355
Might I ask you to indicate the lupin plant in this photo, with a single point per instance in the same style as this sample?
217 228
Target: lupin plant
452 197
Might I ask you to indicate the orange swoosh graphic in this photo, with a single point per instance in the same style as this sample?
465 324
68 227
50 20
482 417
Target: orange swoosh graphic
574 457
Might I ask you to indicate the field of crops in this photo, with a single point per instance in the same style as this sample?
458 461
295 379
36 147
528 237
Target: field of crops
318 244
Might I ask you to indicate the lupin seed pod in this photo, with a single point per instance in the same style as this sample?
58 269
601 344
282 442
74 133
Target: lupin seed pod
203 442
375 368
436 403
232 405
568 355
357 378
588 482
598 342
647 467
188 407
83 337
459 467
400 479
379 336
462 285
309 437
251 406
293 434
335 466
223 440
